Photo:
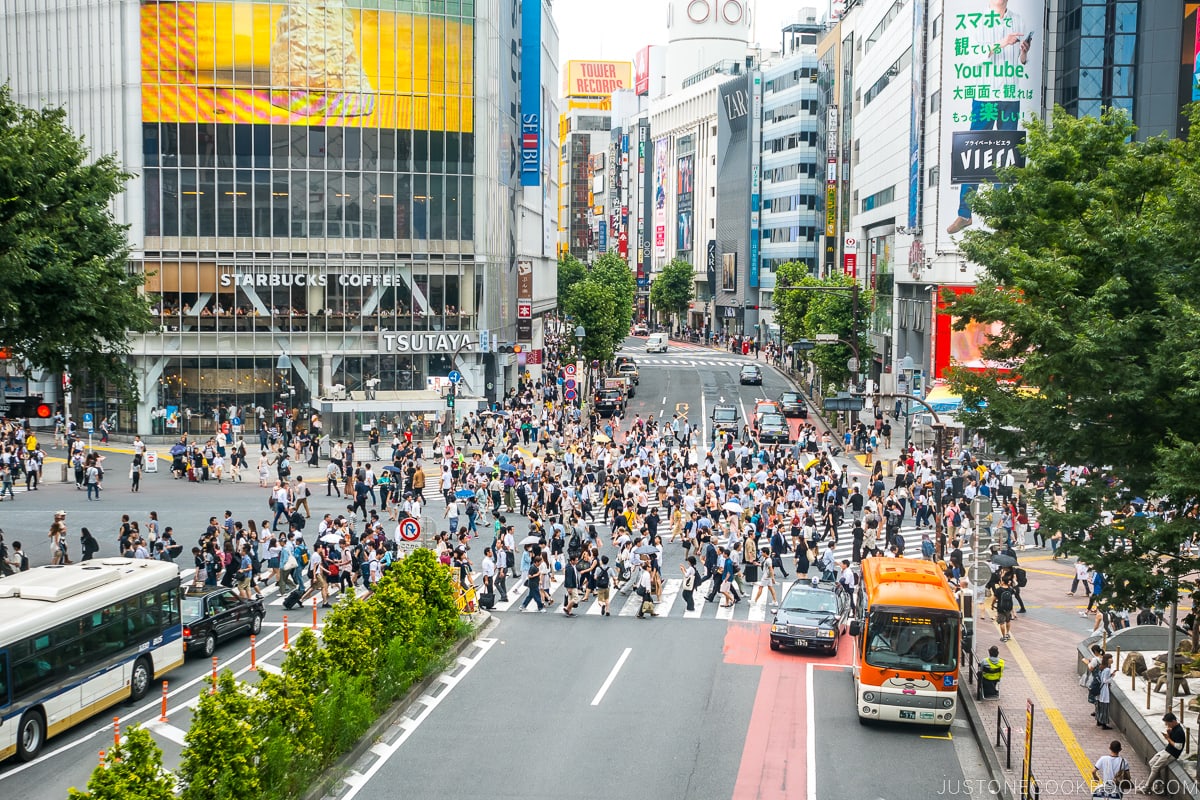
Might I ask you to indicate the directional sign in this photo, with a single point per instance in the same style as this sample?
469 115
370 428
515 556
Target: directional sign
410 529
803 345
570 394
87 421
237 421
455 376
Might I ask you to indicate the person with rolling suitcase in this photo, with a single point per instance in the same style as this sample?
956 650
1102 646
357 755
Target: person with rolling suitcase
643 591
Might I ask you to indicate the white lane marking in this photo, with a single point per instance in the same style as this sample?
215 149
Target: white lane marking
594 609
811 740
514 595
724 612
671 589
166 730
433 702
698 598
612 676
758 611
664 399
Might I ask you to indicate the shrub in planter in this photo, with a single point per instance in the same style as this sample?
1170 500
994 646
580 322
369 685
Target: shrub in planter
220 753
132 771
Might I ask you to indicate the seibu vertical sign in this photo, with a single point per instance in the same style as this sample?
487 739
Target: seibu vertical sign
524 300
531 93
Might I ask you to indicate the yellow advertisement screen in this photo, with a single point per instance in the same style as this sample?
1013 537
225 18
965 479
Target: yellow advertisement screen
305 62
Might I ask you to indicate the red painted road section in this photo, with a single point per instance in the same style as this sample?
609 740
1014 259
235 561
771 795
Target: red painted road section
775 757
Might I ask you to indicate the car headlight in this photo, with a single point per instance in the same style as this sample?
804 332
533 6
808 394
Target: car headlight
774 628
947 702
828 634
868 697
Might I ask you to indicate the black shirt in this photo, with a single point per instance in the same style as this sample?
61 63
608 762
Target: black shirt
1177 738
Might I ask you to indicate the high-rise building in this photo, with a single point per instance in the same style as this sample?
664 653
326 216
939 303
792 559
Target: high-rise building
325 194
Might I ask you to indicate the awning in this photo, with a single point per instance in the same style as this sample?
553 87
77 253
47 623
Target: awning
941 399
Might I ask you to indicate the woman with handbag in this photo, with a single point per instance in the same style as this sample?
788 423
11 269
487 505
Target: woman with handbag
767 579
1103 691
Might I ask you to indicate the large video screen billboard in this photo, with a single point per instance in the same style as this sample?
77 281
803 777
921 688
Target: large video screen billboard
991 86
305 62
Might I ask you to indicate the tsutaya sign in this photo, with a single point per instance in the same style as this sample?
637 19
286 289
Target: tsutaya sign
441 343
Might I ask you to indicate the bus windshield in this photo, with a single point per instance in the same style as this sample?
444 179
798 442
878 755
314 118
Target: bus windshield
919 640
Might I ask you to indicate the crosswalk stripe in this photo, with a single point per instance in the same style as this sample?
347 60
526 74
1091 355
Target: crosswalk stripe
671 589
699 603
631 607
723 611
594 609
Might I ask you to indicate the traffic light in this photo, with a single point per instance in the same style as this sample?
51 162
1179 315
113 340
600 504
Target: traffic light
509 348
450 400
29 408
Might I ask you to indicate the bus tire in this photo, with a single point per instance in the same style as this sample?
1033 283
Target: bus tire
863 720
31 735
139 679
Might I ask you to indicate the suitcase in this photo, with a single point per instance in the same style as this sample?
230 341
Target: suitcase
487 601
750 573
293 599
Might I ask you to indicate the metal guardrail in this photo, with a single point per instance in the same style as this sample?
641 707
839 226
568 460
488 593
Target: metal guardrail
1004 734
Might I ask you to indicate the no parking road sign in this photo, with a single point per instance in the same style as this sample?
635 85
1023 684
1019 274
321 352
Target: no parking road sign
410 529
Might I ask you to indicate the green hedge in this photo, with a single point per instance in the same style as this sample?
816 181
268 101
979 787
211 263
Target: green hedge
271 740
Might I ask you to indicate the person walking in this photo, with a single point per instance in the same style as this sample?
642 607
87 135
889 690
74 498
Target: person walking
1002 604
690 575
766 580
534 590
1160 761
571 585
1112 773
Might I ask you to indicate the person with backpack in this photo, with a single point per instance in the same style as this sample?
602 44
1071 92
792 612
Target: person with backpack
1020 579
603 579
1002 604
1112 771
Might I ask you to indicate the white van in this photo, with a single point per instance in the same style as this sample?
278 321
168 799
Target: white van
656 343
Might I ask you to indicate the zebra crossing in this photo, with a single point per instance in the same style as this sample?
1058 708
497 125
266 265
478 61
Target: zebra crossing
685 361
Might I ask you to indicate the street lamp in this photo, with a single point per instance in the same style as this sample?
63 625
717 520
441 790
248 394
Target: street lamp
579 334
907 366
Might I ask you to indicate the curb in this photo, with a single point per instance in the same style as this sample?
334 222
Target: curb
342 766
984 743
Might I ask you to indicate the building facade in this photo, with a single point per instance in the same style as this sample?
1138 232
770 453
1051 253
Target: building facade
325 193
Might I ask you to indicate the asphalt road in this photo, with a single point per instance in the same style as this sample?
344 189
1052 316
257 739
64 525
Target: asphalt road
545 706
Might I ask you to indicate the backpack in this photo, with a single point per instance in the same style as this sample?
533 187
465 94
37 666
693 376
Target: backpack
602 578
898 541
304 556
1022 578
575 546
956 520
1004 600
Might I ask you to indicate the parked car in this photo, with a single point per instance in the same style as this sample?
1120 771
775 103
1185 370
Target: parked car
640 329
608 401
811 617
793 405
213 615
750 375
773 429
629 369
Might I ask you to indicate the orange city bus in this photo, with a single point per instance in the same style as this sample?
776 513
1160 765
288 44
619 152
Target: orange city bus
908 637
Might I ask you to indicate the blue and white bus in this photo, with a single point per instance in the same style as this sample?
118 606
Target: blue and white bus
76 639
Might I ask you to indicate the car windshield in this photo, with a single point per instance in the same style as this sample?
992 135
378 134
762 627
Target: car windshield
773 419
192 608
750 369
724 415
807 601
912 639
791 397
764 408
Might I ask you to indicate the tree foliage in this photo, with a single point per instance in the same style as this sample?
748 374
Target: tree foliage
132 771
613 271
220 759
570 272
1090 270
66 296
805 314
596 307
673 288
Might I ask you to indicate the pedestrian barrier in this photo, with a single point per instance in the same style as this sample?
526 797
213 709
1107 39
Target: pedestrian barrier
1004 734
314 627
253 653
286 646
116 732
163 717
213 690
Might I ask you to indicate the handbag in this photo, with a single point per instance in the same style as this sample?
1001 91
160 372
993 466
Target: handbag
289 563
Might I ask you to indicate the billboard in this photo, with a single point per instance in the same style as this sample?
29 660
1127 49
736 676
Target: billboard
991 85
531 94
641 71
729 272
684 188
1191 47
596 78
660 197
524 300
306 62
916 116
963 349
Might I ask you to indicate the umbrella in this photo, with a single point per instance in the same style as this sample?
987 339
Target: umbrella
463 494
812 463
178 450
331 538
732 507
495 414
507 468
646 548
393 470
530 540
1004 560
600 437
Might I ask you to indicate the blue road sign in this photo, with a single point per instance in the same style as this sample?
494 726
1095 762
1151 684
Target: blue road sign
87 417
455 376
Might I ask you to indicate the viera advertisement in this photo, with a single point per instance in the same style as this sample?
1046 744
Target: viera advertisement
359 63
991 87
684 179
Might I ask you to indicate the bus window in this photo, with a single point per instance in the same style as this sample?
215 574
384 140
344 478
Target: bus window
4 696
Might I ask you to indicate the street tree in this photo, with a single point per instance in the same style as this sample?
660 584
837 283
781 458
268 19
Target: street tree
133 770
1089 284
673 288
595 306
570 272
67 298
613 272
823 306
